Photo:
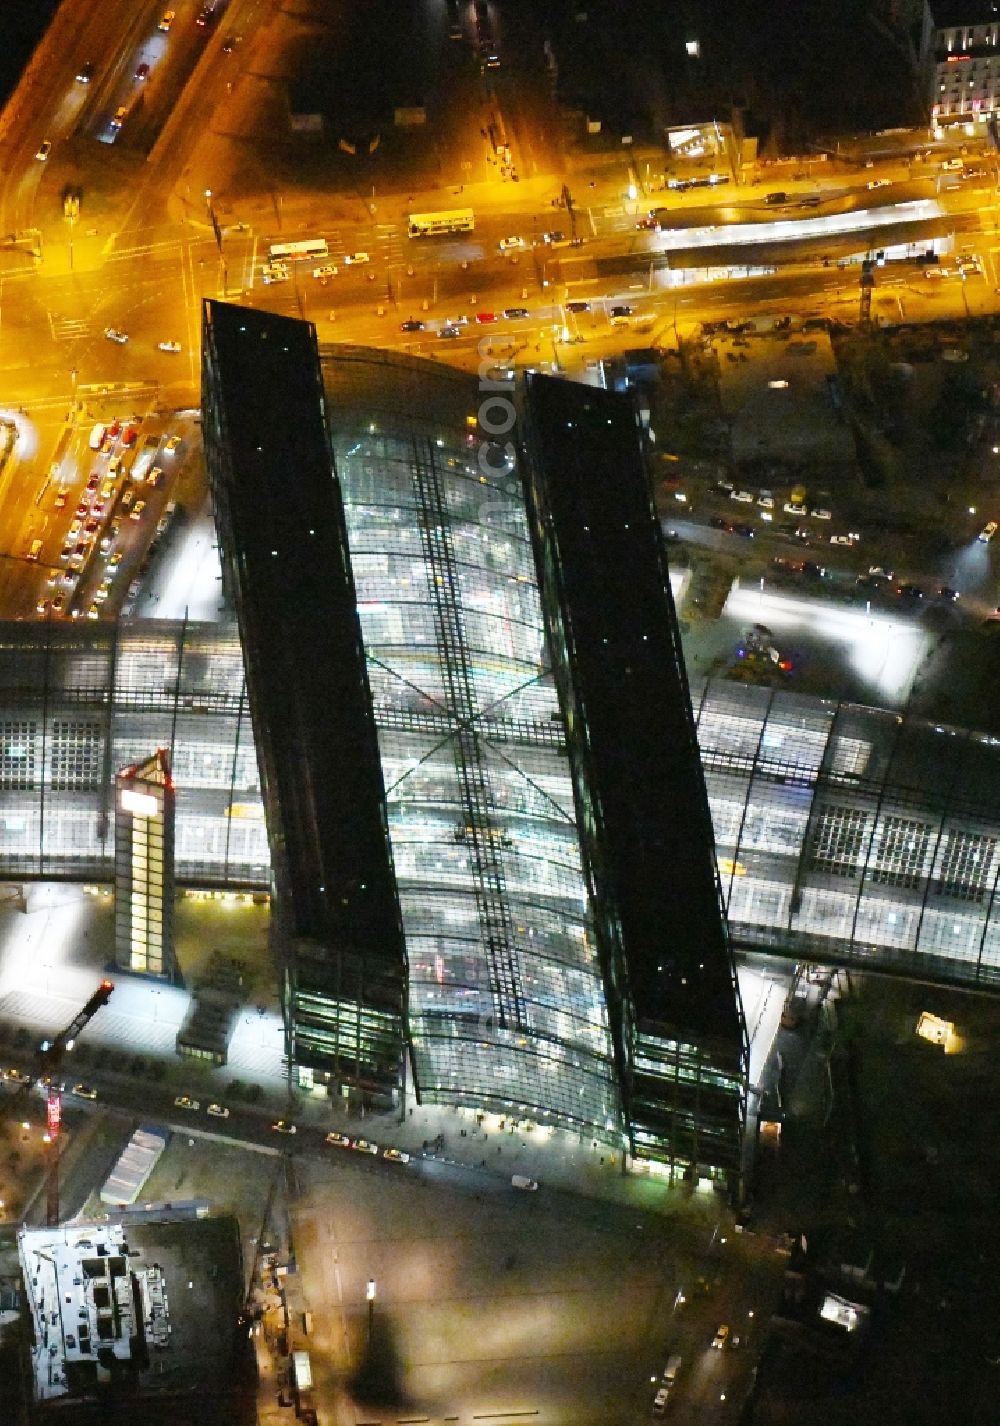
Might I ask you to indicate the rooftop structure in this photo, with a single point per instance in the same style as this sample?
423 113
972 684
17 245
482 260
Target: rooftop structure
145 1314
287 565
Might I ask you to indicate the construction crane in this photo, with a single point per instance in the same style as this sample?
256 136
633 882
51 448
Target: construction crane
48 1065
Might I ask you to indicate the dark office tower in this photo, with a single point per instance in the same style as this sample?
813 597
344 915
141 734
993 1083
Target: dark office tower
144 867
283 541
642 809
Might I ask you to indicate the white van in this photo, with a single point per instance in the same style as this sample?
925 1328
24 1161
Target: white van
97 436
529 1185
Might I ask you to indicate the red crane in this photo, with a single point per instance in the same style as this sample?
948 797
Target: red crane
49 1062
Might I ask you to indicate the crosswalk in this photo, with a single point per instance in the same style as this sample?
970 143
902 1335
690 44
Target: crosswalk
69 329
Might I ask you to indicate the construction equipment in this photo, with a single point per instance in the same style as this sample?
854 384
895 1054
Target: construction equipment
48 1065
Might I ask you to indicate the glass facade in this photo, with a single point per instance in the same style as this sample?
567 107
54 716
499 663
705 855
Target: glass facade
506 1004
78 704
844 833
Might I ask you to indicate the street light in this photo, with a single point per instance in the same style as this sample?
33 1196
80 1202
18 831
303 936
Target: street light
370 1294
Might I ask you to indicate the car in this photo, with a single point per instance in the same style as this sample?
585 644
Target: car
945 591
82 510
411 325
909 591
127 497
62 497
217 1111
84 1091
449 330
284 1126
115 334
114 467
93 612
514 313
771 199
719 522
184 1102
16 1076
230 43
42 606
738 528
43 150
619 316
341 1140
112 433
155 476
73 533
115 561
171 445
121 114
660 1400
526 1185
356 259
745 497
205 16
363 1146
506 245
649 223
988 531
952 165
554 237
578 305
765 500
129 436
59 604
327 270
878 571
848 540
167 19
136 512
168 346
141 73
85 73
91 528
274 272
484 317
721 1337
878 183
100 508
396 1155
819 513
791 508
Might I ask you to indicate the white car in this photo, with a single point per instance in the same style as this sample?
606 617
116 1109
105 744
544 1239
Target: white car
765 500
171 446
842 540
820 514
168 346
328 271
282 1126
506 245
43 151
879 183
274 272
527 1185
745 497
115 334
183 1102
356 259
790 508
988 531
217 1111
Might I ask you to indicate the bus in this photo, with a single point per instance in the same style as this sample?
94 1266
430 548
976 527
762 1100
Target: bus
453 220
299 252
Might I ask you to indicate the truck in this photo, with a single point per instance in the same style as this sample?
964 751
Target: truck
144 459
